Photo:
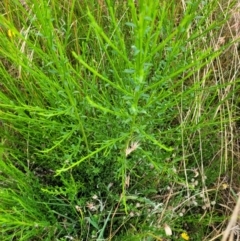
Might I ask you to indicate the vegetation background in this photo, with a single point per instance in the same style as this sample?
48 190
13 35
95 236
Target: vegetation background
119 119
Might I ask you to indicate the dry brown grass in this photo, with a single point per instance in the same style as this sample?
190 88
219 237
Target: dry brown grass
226 73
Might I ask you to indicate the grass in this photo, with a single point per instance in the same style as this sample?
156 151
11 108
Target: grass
118 119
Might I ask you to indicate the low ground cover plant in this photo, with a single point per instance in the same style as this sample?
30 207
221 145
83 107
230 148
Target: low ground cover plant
118 119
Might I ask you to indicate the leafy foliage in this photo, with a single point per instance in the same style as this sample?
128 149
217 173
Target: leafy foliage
109 112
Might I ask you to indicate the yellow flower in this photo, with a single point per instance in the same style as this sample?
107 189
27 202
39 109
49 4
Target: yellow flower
225 186
185 236
10 33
